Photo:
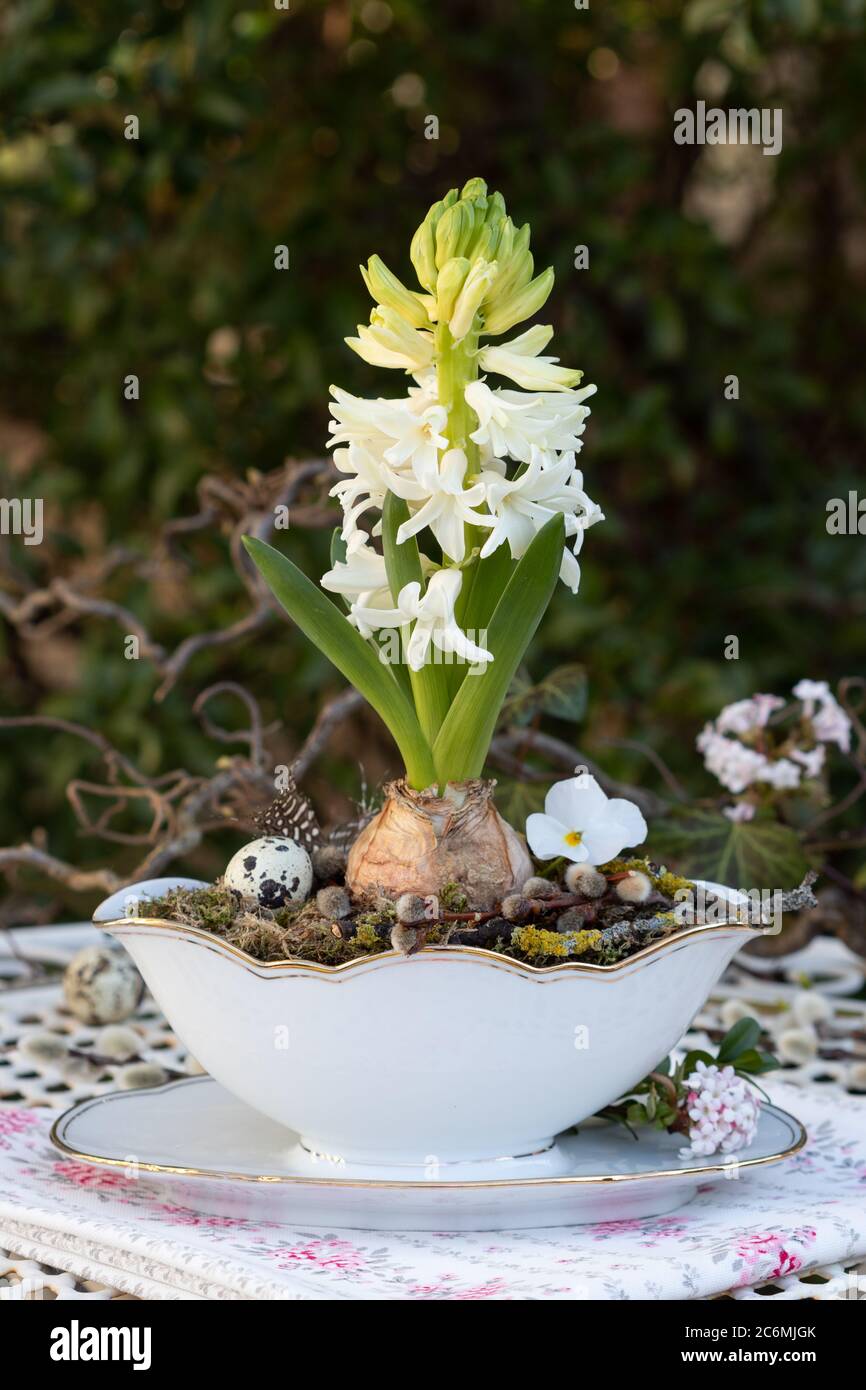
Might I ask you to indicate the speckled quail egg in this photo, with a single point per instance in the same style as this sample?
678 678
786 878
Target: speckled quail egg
272 870
101 985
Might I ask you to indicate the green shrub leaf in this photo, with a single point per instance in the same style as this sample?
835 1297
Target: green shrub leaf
761 854
744 1035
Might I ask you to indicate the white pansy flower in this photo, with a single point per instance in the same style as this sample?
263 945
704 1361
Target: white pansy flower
581 823
449 506
433 615
390 341
520 361
512 423
521 506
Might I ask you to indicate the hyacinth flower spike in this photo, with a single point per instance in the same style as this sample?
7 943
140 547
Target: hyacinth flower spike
462 502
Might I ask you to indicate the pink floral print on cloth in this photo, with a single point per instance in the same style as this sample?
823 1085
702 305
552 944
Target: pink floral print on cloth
771 1256
15 1121
138 1236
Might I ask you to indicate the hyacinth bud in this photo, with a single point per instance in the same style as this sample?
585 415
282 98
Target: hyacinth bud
533 341
496 208
516 261
485 243
505 249
522 304
478 282
454 232
387 289
422 252
423 249
391 342
475 188
450 283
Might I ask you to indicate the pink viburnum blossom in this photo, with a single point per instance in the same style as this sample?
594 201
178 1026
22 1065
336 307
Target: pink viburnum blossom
722 1110
742 750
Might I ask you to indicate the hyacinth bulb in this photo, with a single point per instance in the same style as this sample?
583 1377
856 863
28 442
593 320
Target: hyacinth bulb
420 841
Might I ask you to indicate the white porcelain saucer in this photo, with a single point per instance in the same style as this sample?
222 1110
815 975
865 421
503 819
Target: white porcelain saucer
212 1153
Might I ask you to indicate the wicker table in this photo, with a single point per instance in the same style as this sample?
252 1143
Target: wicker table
37 1268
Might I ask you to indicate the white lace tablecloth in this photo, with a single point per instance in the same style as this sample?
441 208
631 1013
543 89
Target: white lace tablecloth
769 1226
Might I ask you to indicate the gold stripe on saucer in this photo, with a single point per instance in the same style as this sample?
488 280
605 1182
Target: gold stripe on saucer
798 1139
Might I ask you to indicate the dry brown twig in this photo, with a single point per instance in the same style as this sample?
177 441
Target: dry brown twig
183 808
237 507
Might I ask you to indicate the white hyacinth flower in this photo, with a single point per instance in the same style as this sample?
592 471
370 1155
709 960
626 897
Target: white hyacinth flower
522 506
521 361
401 432
449 507
511 423
435 622
390 341
364 488
456 464
432 613
362 572
581 823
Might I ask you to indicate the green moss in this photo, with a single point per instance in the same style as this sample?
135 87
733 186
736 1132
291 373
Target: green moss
211 908
453 897
366 937
300 932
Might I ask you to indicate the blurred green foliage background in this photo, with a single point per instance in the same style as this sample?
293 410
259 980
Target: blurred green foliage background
306 126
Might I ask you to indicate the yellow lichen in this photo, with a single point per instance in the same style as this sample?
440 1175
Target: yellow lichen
670 884
534 942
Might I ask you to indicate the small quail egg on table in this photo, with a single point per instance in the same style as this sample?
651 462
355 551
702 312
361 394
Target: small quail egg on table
271 870
102 985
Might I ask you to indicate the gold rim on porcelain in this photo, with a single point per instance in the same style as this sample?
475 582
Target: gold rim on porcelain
798 1135
127 926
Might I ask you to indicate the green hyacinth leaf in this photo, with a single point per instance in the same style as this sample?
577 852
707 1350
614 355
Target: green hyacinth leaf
403 564
461 746
322 622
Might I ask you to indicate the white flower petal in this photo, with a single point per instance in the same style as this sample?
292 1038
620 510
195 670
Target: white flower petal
575 802
546 839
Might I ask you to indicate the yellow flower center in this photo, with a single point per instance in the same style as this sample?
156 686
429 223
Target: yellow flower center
573 837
